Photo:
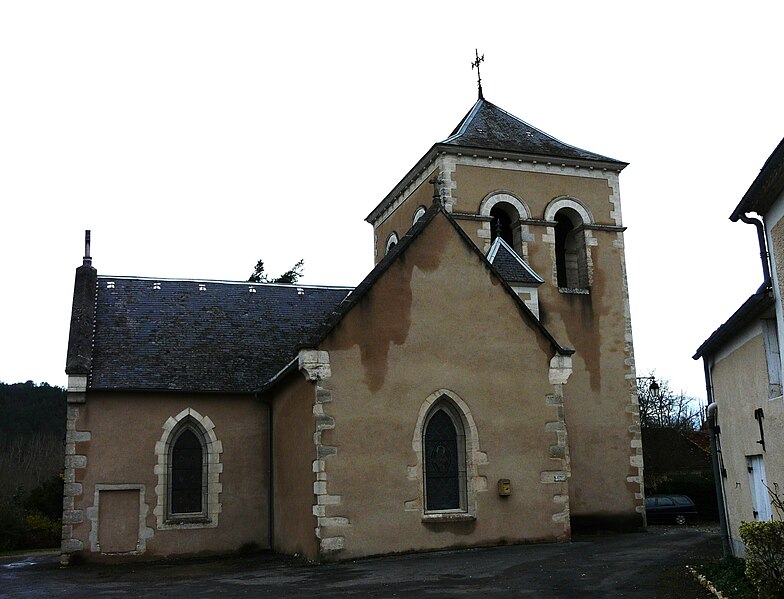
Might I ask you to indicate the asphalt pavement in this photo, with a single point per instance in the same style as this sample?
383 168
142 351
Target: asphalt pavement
639 565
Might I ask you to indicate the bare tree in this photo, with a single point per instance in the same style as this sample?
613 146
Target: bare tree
661 407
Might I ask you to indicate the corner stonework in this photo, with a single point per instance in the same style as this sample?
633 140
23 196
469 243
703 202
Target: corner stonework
314 366
72 488
560 370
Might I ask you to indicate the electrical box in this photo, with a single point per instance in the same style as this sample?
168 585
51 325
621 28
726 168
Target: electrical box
504 487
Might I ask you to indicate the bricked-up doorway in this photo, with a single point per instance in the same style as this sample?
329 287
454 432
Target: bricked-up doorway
118 521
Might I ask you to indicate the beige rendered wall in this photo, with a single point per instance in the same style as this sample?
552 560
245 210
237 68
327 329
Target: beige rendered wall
120 457
601 405
402 219
438 319
740 386
294 453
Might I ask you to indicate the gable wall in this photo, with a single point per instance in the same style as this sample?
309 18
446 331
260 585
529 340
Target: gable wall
601 409
740 386
124 429
437 319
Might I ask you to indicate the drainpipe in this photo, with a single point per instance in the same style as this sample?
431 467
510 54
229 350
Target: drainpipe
763 248
717 478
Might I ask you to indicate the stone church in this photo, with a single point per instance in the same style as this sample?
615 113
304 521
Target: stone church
476 388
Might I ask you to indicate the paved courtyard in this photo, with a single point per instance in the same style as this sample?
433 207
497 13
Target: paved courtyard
639 565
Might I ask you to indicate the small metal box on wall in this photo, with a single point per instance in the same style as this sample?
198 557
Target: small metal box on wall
504 487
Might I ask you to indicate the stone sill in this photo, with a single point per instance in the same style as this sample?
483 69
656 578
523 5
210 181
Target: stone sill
574 290
448 517
176 521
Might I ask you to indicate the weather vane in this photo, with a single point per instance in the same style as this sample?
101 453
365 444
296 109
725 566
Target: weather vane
478 74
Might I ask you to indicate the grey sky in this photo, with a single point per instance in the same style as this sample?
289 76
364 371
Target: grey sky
195 137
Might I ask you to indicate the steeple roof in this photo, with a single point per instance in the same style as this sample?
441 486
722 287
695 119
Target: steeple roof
489 127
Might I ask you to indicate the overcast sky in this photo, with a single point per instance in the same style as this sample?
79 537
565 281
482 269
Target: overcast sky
194 138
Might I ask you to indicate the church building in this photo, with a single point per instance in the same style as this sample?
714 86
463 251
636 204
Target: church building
476 388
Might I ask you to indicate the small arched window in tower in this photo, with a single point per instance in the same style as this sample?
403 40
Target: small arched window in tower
391 242
501 224
570 254
444 460
420 212
186 488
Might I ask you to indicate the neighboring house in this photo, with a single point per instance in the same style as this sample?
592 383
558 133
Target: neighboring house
427 408
743 367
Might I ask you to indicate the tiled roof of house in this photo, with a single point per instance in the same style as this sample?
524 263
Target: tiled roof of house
751 308
489 127
200 335
511 266
765 188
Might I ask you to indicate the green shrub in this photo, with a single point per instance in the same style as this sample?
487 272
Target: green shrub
47 498
41 532
765 556
12 527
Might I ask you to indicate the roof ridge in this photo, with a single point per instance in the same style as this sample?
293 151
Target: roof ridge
220 282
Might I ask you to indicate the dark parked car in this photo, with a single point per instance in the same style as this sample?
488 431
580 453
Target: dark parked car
669 508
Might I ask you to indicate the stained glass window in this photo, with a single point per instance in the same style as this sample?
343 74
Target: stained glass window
187 471
442 463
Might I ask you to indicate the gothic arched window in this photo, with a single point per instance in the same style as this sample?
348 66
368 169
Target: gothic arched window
186 475
444 460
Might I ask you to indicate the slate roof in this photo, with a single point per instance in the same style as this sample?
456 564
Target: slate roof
224 338
751 309
511 266
489 127
396 252
765 188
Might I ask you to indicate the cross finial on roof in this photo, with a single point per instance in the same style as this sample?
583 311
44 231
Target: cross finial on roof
87 260
478 74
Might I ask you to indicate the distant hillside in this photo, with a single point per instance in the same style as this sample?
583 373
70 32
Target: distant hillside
27 408
32 431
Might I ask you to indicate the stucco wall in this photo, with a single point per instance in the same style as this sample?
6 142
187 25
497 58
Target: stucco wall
601 404
294 452
121 459
439 319
740 386
402 219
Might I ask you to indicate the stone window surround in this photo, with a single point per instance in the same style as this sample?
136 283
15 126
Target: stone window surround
391 241
589 240
93 513
418 213
520 231
446 406
204 427
474 457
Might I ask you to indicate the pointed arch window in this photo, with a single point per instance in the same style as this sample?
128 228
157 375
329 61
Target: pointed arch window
444 459
186 492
